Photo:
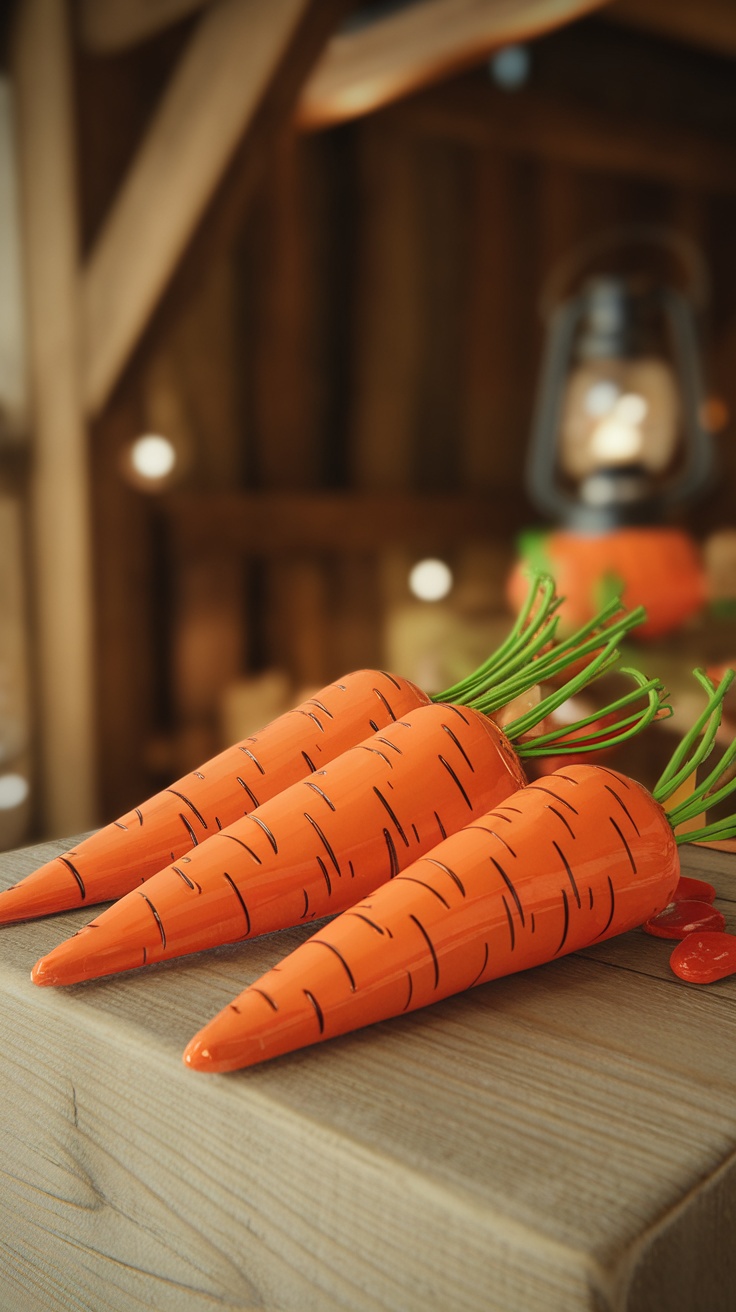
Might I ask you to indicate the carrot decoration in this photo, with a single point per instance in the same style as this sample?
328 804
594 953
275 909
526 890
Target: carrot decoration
329 839
568 861
128 851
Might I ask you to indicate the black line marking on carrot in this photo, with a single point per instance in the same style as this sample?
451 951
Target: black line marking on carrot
218 822
510 919
310 715
324 870
392 814
392 856
139 813
322 943
156 917
365 748
562 800
534 922
493 834
262 825
317 1009
239 896
623 840
613 907
591 899
568 871
65 861
422 884
415 831
316 789
452 774
324 841
391 679
181 875
619 778
185 860
383 702
567 777
320 707
198 774
566 925
510 887
455 878
373 725
119 824
232 1006
561 817
239 841
248 790
306 904
247 752
623 806
451 707
190 831
191 806
145 956
266 996
411 990
310 764
430 945
387 743
480 972
459 746
442 829
367 920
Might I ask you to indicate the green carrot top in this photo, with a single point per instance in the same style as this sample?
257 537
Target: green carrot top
692 753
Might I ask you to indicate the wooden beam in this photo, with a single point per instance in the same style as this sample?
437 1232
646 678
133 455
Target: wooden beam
381 61
542 127
271 524
59 491
224 79
105 26
710 24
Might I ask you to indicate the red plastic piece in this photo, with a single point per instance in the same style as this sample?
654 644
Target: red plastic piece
697 890
683 918
704 957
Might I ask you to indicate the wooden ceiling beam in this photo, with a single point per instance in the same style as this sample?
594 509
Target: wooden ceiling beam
226 77
106 26
368 67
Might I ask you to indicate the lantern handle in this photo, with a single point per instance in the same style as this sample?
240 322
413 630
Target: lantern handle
574 262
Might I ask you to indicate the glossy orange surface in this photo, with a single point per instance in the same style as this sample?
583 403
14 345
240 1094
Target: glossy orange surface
565 863
127 852
317 847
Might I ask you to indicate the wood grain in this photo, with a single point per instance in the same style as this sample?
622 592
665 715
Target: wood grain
556 1141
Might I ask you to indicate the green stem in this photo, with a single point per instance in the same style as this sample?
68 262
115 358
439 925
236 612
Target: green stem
546 667
609 736
686 760
690 754
534 627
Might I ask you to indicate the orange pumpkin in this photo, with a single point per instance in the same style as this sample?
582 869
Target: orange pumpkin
658 568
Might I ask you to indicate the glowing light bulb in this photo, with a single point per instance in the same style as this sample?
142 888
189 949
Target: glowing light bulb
13 791
152 456
430 580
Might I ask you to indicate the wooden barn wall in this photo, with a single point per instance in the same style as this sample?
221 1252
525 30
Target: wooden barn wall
374 328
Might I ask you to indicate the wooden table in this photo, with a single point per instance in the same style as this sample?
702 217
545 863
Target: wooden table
560 1140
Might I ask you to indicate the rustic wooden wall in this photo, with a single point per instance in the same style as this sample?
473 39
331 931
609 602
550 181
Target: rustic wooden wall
373 328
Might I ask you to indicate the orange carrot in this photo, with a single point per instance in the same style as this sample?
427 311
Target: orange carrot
165 828
565 863
317 846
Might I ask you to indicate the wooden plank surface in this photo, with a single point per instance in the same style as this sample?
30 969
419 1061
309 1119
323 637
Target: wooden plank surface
560 1140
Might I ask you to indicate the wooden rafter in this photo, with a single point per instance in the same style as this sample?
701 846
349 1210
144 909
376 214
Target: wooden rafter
59 489
366 68
221 84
